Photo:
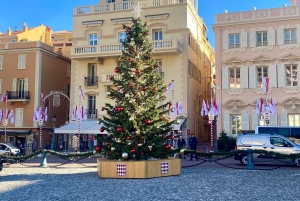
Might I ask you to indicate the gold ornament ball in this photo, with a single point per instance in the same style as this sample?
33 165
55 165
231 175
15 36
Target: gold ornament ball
125 155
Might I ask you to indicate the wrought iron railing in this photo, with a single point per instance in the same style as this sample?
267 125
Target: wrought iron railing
91 81
18 95
92 114
233 46
294 41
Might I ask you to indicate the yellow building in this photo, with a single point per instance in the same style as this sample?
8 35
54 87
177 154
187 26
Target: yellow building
178 36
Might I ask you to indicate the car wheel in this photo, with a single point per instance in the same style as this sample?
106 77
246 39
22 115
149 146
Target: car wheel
297 162
244 160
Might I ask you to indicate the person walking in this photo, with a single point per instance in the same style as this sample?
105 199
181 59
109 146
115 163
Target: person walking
33 146
193 146
181 145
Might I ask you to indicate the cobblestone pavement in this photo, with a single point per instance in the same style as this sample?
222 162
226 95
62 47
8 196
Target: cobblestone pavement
66 183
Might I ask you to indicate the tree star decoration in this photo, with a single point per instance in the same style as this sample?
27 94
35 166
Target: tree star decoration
137 10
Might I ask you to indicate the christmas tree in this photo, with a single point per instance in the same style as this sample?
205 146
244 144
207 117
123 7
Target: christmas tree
138 123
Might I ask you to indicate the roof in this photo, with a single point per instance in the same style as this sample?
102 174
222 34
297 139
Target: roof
61 31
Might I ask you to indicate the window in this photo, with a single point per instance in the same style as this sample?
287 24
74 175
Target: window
93 39
21 88
19 117
279 142
92 79
92 112
235 81
21 61
69 70
261 72
157 35
236 124
110 1
1 61
13 40
122 37
159 69
291 75
294 119
261 39
290 36
234 41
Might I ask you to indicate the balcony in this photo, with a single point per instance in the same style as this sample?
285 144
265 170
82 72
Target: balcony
92 114
91 82
106 78
110 7
171 46
18 96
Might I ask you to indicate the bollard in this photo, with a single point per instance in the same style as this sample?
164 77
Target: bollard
250 165
1 164
44 159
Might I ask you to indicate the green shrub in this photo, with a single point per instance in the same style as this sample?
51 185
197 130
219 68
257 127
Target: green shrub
226 143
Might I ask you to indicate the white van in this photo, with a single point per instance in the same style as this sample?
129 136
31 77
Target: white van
267 142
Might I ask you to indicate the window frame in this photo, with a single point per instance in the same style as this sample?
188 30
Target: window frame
262 43
234 45
292 78
235 78
93 40
295 122
22 61
1 62
259 79
121 38
159 31
290 40
238 129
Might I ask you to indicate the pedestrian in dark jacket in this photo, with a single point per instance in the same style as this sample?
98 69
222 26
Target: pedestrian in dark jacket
193 146
181 144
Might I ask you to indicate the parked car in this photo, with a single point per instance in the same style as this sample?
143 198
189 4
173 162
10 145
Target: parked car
7 148
267 142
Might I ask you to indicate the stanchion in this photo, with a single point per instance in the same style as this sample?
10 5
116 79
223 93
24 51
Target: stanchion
250 165
44 159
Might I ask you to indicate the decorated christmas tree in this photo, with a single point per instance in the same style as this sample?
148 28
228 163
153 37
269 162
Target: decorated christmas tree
138 123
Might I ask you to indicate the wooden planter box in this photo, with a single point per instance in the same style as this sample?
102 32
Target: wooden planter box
138 169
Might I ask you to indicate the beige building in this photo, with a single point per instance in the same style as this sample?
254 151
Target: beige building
178 36
251 45
28 67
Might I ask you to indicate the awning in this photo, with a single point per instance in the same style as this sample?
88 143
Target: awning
86 127
15 132
176 126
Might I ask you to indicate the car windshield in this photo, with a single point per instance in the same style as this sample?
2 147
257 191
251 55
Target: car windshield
11 146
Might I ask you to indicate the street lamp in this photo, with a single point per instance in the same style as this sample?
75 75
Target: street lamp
53 139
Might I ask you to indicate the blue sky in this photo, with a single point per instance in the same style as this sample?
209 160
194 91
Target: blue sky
58 13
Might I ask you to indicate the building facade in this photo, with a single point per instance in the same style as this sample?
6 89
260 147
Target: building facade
27 68
251 45
179 42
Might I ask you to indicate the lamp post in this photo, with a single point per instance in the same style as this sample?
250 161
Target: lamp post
53 138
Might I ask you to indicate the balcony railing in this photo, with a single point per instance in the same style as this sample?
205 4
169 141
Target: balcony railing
294 41
106 77
84 10
233 46
111 50
92 114
261 44
18 95
91 81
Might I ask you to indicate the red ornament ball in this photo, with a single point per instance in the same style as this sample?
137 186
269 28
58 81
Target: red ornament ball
131 49
102 109
107 112
128 138
147 33
111 78
151 67
121 109
116 70
97 148
143 88
119 129
154 89
101 129
168 147
123 26
130 85
149 56
148 121
137 71
128 59
157 65
165 136
133 151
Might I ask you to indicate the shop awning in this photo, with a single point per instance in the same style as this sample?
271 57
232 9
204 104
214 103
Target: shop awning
176 126
86 127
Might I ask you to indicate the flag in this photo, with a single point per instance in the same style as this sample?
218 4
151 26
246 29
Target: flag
74 114
85 114
169 87
42 97
274 106
37 114
218 106
180 108
34 118
46 114
207 106
265 81
212 108
262 106
257 108
11 116
81 93
1 115
202 112
4 97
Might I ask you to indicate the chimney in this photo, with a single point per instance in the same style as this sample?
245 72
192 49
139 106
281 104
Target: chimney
25 28
8 31
48 35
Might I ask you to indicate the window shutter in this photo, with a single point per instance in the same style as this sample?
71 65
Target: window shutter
298 34
281 75
225 37
69 70
252 38
252 77
20 61
1 61
271 37
26 84
225 78
283 118
272 75
66 89
280 36
14 85
273 119
21 117
226 123
243 39
244 77
298 75
245 122
254 121
0 85
24 61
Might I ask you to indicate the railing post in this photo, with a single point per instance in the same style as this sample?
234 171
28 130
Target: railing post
250 165
44 159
